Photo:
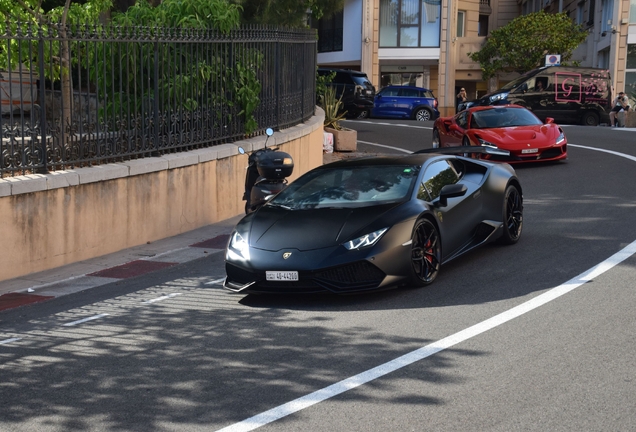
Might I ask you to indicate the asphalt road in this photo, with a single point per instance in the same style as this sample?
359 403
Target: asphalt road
517 338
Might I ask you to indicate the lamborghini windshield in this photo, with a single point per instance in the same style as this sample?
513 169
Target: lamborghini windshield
347 187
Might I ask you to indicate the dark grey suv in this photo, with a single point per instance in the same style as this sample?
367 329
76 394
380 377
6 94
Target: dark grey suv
355 88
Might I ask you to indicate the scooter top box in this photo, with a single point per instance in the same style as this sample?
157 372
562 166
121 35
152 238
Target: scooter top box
275 165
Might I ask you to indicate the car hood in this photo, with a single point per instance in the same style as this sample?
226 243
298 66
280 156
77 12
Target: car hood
274 228
520 136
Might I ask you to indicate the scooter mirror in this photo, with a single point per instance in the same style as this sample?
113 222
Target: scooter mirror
241 150
269 131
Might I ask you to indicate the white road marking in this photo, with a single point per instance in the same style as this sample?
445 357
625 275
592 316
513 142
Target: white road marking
8 341
215 282
427 351
385 146
626 156
333 390
94 317
158 299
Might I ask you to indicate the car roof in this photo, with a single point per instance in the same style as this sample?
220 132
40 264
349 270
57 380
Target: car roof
349 71
409 159
406 87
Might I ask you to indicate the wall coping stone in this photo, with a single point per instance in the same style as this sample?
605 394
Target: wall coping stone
78 176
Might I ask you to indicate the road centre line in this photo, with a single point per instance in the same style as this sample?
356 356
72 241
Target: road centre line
94 317
355 381
8 341
626 156
165 297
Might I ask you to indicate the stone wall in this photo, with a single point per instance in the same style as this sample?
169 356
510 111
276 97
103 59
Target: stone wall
50 220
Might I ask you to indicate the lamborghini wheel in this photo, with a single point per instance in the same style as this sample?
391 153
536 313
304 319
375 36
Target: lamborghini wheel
512 216
426 253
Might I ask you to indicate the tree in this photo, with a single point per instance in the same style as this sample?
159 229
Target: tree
290 13
523 43
19 13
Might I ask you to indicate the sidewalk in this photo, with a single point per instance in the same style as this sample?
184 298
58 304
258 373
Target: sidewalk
136 261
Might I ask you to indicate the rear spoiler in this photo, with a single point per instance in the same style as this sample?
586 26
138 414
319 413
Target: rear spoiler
468 149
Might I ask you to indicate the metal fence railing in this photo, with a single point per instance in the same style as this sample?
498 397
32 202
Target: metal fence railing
85 95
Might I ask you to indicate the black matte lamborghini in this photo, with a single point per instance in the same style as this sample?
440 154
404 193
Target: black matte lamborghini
372 223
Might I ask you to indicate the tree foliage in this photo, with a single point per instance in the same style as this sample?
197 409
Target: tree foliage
523 43
290 13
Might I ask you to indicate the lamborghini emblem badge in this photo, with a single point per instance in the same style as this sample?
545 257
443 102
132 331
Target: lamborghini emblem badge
286 255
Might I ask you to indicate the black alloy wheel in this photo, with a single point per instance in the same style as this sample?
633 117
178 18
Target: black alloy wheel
590 118
512 216
426 253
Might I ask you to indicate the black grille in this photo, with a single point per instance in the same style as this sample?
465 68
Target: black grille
352 277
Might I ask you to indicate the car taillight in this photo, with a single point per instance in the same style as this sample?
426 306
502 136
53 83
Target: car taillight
435 103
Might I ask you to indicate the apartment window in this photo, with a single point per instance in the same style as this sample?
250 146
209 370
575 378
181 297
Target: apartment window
461 23
330 30
590 19
409 23
483 26
580 10
630 74
607 6
632 12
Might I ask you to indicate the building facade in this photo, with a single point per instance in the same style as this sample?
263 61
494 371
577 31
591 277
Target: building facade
426 42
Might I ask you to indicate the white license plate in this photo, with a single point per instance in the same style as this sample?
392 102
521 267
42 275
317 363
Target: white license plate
526 151
281 275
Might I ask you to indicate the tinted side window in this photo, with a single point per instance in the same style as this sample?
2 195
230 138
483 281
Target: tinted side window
389 92
360 79
428 94
342 78
436 176
409 93
462 120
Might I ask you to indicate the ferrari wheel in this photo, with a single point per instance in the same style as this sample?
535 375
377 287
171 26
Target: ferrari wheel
436 143
426 253
512 216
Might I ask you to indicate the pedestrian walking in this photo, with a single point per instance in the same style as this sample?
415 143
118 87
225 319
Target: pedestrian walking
461 98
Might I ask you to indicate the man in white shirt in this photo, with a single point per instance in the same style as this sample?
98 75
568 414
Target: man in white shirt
620 104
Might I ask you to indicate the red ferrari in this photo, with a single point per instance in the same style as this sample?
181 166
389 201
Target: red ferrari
505 127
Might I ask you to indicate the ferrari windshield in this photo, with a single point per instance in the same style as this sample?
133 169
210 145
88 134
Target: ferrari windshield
346 187
503 117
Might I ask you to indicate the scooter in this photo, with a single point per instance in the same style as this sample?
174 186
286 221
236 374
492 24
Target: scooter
267 172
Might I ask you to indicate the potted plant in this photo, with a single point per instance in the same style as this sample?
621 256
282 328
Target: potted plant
344 139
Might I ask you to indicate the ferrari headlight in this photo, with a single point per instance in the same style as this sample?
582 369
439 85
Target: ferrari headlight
560 138
239 246
365 240
485 143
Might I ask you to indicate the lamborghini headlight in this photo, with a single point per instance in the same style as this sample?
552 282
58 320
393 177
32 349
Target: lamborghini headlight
238 246
365 240
560 138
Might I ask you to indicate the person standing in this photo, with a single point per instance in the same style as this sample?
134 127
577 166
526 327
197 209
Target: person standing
461 98
620 104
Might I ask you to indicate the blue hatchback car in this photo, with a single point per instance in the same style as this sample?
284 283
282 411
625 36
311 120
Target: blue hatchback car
405 102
